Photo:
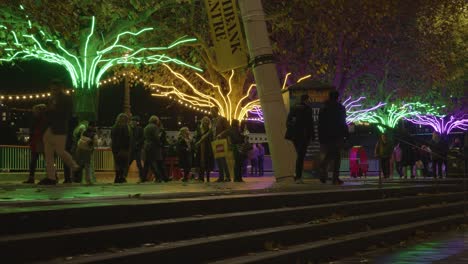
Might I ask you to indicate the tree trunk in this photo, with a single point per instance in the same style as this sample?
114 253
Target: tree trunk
127 108
86 104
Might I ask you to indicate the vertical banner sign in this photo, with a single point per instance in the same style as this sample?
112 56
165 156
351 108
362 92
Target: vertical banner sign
226 34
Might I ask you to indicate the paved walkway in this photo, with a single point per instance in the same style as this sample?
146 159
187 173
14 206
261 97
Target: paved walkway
442 248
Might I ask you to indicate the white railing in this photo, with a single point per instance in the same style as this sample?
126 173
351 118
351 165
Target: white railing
16 158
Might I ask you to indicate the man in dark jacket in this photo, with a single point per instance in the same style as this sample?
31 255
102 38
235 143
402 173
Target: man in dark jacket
136 145
59 112
332 132
301 129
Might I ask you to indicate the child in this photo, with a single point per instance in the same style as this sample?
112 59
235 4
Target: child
84 151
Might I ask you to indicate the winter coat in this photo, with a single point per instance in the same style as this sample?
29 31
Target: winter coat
332 123
300 123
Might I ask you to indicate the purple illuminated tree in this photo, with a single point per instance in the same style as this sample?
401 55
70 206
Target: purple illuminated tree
442 125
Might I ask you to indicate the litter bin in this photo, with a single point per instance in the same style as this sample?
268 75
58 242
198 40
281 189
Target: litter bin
358 164
455 163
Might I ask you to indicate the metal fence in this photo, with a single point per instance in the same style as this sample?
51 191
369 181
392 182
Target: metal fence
16 158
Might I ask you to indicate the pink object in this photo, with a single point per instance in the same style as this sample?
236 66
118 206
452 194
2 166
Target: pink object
358 164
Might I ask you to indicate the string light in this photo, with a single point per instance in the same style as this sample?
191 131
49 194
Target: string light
35 96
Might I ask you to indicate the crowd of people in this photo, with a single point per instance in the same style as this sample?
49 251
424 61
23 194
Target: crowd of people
55 131
411 157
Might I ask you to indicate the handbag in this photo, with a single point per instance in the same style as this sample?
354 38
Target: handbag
220 148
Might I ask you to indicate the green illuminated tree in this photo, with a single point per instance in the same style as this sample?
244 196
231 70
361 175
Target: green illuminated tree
90 37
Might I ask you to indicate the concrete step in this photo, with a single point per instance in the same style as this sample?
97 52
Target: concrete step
211 248
330 249
38 218
84 240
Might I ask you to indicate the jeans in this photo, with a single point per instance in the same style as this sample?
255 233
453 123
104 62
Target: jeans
223 168
136 156
330 152
54 143
301 150
385 166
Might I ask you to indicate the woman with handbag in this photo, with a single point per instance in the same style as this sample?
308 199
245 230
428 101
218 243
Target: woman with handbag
121 147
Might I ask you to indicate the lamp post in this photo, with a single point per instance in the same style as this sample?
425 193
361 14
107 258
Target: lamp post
269 88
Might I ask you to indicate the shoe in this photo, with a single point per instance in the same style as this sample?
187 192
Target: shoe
29 181
322 180
219 180
299 181
238 180
47 181
66 181
184 180
227 180
337 182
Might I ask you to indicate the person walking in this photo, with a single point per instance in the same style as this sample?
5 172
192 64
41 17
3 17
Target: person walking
204 155
220 126
261 158
136 145
184 151
332 133
36 145
383 150
120 137
84 152
300 131
59 111
153 148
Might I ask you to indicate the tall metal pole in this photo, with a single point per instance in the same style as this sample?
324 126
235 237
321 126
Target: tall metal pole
269 88
126 104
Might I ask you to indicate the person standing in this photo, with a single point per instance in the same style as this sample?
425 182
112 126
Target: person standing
153 148
120 145
36 132
59 111
439 149
136 145
261 158
396 156
383 150
70 145
240 147
220 126
253 157
332 133
73 141
184 151
300 130
204 154
84 151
